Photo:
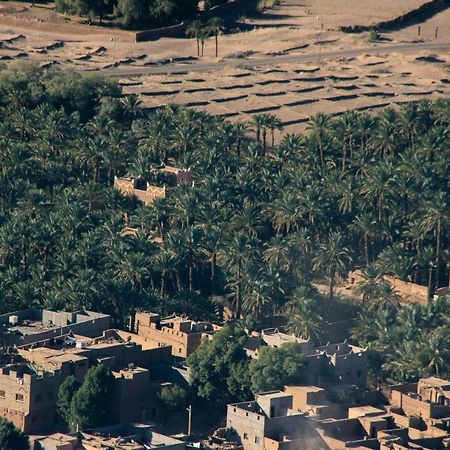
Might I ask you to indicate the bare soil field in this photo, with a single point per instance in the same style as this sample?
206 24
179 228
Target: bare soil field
291 91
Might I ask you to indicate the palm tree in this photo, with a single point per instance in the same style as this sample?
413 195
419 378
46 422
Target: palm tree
304 318
235 255
332 258
258 122
274 123
365 225
215 26
240 129
195 30
369 286
319 126
436 218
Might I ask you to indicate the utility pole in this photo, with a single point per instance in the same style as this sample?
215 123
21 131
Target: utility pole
320 37
189 410
113 39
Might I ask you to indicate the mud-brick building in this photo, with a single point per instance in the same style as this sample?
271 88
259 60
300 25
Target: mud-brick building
168 177
269 422
28 397
31 326
183 335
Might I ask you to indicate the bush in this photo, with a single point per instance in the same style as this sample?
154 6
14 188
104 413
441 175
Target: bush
374 36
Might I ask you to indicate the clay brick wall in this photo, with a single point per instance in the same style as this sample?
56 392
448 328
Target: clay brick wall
29 401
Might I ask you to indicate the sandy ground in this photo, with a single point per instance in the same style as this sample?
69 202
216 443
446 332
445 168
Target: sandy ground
291 92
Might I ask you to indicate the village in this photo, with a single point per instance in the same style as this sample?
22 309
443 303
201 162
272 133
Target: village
224 224
334 407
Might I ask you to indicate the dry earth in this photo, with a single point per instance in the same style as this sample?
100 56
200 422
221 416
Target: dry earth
292 92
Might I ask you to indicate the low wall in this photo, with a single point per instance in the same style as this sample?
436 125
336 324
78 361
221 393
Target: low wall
428 9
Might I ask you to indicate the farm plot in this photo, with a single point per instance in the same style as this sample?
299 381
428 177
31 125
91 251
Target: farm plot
293 94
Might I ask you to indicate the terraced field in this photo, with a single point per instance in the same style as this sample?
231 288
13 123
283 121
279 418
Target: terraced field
294 93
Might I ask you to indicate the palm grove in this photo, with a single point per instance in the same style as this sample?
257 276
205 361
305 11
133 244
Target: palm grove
264 221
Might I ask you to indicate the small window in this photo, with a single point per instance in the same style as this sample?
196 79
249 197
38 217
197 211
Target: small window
246 414
2 394
256 440
19 398
38 398
180 350
245 436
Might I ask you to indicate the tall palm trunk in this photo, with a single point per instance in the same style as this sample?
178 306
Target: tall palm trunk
163 284
366 247
217 43
213 273
344 158
332 282
430 281
416 272
238 292
438 253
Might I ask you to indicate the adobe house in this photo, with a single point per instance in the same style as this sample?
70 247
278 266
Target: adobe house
28 397
182 334
32 326
429 399
168 177
340 363
267 422
29 387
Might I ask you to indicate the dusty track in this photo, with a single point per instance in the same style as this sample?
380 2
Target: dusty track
274 60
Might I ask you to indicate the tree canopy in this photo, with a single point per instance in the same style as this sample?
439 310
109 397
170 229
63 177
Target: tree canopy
11 437
219 367
261 222
91 405
132 13
66 392
277 367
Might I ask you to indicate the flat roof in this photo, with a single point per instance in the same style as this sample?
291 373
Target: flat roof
273 394
435 381
307 388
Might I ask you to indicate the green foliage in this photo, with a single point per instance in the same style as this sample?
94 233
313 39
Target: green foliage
88 8
354 191
173 397
410 344
146 13
277 367
92 404
11 437
66 392
304 315
374 36
219 367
